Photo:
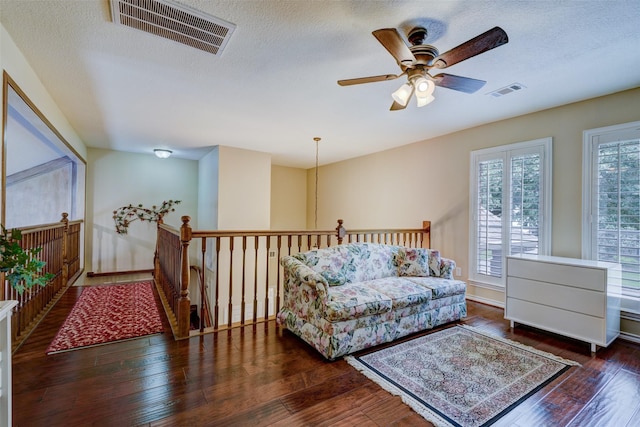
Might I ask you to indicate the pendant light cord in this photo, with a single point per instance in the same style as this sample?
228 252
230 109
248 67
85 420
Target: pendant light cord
316 139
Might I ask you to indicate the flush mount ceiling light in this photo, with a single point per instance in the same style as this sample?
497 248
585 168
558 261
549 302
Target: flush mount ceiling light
161 153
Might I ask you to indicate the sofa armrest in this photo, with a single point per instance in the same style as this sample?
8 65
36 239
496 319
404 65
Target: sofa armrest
298 272
447 267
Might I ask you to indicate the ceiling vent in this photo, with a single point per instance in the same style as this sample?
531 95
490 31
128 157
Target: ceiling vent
506 90
175 22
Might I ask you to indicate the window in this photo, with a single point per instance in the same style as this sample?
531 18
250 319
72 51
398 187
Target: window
611 203
510 206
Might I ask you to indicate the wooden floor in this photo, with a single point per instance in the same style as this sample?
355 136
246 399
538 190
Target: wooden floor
268 377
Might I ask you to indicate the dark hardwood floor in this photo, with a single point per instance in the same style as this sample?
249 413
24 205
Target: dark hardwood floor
268 377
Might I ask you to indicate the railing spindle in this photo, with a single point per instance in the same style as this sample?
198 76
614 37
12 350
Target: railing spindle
230 305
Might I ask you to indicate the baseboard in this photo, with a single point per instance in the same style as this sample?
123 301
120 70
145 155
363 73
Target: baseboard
630 337
486 301
117 273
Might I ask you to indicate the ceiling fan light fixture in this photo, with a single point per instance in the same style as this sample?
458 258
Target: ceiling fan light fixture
424 87
424 100
402 95
424 90
161 153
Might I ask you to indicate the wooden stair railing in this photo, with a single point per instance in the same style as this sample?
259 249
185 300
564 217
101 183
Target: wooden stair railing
205 312
243 268
60 243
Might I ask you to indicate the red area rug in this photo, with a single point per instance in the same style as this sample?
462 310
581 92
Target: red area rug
109 313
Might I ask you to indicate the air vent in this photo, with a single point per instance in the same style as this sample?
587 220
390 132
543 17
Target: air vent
507 90
175 22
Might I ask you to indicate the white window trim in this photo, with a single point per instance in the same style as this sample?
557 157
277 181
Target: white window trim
628 305
588 177
544 243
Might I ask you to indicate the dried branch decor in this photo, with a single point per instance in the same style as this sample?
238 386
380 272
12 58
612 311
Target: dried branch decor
127 214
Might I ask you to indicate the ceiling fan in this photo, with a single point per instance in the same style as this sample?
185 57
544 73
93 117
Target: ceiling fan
416 60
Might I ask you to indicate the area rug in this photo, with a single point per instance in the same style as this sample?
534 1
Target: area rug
461 376
108 313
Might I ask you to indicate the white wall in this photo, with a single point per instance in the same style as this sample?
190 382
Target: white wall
117 179
208 191
16 66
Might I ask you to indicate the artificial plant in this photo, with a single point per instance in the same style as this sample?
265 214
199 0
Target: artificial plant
127 214
22 267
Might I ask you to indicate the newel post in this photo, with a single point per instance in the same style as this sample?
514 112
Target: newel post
340 231
184 304
65 248
426 237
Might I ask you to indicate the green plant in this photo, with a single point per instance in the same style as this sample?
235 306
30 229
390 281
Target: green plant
22 267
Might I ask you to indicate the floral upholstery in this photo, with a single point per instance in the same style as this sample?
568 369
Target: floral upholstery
413 262
355 300
354 296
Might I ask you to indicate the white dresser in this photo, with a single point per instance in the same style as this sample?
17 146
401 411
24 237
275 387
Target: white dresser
573 297
5 362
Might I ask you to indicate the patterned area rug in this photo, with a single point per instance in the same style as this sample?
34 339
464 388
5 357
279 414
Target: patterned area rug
461 376
104 314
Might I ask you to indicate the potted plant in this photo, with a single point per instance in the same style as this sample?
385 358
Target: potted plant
22 267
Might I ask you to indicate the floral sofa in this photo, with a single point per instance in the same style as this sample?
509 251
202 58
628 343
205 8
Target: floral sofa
353 296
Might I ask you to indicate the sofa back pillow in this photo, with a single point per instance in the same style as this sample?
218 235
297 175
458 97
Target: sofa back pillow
413 262
335 264
434 261
418 262
373 261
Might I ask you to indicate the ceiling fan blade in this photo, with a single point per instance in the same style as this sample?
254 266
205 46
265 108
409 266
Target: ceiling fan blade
391 40
372 79
397 106
462 84
486 41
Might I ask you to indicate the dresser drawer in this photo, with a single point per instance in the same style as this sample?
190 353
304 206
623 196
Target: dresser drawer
569 275
564 297
571 324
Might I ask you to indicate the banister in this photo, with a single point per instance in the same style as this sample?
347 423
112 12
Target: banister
60 243
174 287
184 304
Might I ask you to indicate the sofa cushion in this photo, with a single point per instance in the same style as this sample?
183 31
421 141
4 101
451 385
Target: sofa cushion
440 287
353 300
412 262
373 261
403 293
335 264
352 262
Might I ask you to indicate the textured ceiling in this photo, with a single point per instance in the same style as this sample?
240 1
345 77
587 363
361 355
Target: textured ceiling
274 87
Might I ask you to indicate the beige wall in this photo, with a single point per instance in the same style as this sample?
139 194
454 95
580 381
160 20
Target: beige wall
288 198
117 179
244 189
429 180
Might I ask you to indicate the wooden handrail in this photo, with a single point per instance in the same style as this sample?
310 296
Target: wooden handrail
258 283
60 243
